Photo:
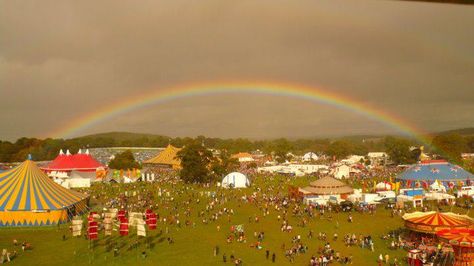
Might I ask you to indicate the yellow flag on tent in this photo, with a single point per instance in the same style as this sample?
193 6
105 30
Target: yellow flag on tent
393 185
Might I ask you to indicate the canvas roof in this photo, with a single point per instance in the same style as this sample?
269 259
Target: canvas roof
431 222
166 157
328 186
26 188
436 170
68 162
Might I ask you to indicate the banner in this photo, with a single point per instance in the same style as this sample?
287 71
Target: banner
108 226
121 215
151 221
76 227
123 227
92 230
141 231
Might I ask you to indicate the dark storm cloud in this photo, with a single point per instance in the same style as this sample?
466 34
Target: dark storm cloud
59 60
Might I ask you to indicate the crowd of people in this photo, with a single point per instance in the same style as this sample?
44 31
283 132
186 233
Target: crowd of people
180 205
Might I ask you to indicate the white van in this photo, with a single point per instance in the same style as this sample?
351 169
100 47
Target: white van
465 191
386 195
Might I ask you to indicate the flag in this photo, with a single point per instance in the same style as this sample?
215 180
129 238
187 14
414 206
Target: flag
121 214
76 227
92 230
150 219
451 185
393 186
141 231
425 184
108 226
124 227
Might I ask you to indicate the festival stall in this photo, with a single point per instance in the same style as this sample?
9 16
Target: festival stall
462 241
28 197
432 222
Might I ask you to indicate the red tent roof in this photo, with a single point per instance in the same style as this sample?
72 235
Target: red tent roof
68 162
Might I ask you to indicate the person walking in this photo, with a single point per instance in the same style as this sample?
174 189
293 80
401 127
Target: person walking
273 257
267 254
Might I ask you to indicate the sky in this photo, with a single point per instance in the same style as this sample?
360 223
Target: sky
62 59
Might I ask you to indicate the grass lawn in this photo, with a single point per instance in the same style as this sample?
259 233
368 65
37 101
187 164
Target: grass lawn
194 245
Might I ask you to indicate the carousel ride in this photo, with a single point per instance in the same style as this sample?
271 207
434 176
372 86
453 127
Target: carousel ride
462 242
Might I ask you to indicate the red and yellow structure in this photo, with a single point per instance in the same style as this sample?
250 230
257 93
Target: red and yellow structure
432 222
462 241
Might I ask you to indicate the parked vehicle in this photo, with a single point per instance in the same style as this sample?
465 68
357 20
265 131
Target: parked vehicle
347 206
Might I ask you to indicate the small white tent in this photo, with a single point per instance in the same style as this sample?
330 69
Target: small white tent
437 186
342 171
310 156
235 180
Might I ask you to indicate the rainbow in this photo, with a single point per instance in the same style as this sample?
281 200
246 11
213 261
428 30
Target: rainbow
313 94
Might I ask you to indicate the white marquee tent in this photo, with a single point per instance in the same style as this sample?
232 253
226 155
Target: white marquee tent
235 180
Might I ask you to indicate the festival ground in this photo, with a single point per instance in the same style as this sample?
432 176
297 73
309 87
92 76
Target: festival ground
194 245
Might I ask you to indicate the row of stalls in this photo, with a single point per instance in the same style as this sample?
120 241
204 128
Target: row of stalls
427 180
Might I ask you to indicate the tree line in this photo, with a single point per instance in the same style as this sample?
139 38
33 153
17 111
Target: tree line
449 146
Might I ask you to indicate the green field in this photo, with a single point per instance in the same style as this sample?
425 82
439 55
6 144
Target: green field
193 245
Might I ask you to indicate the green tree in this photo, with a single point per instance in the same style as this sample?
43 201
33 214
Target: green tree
450 146
223 165
340 149
195 163
123 161
281 147
399 150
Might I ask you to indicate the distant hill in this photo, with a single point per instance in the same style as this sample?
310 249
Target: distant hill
121 136
469 131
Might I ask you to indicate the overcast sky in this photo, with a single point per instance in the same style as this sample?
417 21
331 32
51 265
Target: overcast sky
61 59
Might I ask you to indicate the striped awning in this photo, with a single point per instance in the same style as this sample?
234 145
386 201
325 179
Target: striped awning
431 222
27 188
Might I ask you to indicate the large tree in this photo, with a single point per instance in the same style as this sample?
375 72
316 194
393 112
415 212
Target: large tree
340 149
124 160
399 150
195 163
450 146
223 165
